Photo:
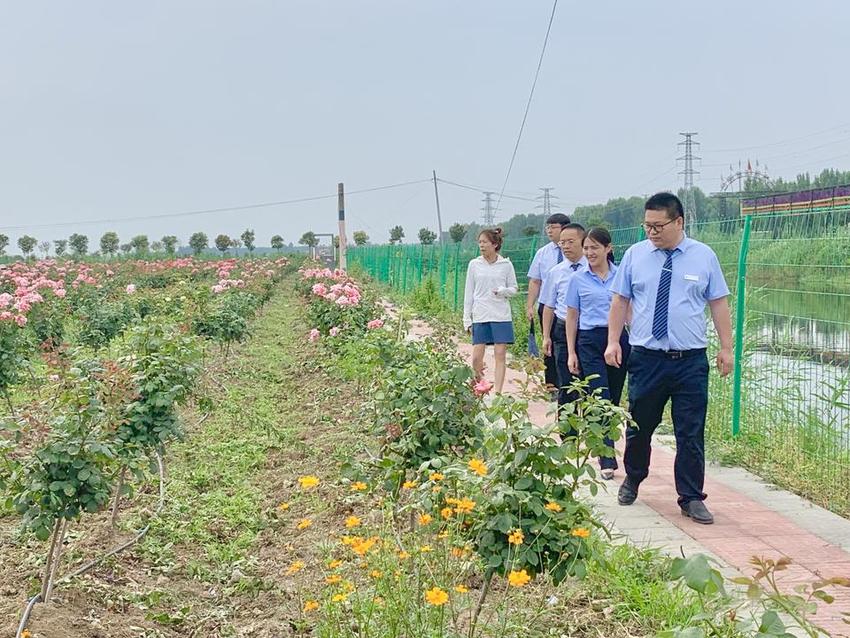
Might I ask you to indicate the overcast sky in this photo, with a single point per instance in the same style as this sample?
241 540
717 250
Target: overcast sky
111 110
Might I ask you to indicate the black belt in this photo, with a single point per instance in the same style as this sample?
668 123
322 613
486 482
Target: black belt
670 354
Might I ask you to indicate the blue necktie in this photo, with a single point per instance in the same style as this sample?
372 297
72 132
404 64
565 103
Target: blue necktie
575 266
560 254
662 299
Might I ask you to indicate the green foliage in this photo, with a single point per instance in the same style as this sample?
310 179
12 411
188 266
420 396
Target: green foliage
198 242
248 237
360 238
223 243
169 242
423 407
225 320
4 243
164 364
70 473
27 244
11 356
396 234
427 236
457 232
78 243
532 468
309 239
277 242
102 320
109 243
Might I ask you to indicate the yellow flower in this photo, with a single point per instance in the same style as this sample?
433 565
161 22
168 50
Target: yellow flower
352 521
358 486
339 598
283 507
461 589
304 523
581 532
376 573
297 566
464 506
459 552
446 512
311 605
425 549
26 634
364 546
478 466
348 586
518 578
436 597
408 485
334 564
552 506
403 555
516 537
378 601
424 519
333 579
308 481
436 476
350 540
443 535
437 489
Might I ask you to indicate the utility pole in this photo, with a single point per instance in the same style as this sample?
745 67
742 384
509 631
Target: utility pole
547 201
489 212
688 173
342 241
439 219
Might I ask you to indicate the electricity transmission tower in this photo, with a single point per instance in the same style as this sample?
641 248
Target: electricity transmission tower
546 197
688 173
488 210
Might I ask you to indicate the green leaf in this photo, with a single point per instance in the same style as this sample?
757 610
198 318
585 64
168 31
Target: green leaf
771 624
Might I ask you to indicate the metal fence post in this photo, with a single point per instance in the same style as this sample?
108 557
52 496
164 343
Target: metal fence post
740 310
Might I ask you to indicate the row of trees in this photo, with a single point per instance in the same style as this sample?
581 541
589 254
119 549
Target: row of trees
77 245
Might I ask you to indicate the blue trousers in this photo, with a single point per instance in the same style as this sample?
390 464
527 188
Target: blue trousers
591 346
561 355
550 370
654 378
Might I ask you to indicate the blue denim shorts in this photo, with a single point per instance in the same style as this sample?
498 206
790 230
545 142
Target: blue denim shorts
490 332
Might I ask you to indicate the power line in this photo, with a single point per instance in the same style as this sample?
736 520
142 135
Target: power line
208 211
481 189
779 143
528 104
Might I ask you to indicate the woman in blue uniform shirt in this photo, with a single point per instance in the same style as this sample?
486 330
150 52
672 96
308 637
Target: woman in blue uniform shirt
588 302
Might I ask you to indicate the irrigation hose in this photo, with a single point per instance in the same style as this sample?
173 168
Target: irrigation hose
93 563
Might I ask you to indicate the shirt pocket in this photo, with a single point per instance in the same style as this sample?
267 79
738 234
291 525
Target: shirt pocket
695 284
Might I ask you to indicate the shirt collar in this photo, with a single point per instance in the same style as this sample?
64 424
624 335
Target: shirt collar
612 269
682 246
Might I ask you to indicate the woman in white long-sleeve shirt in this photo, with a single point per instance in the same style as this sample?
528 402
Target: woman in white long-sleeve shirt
490 283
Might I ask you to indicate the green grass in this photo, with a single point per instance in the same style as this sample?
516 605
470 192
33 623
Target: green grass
216 495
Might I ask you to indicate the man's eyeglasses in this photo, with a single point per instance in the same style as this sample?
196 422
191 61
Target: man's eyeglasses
656 228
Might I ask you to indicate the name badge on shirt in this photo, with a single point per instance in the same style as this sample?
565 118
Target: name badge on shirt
691 277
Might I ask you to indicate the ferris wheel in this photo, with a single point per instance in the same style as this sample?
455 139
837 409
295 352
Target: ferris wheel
743 176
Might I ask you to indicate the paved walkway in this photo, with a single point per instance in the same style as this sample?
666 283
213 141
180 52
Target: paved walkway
752 518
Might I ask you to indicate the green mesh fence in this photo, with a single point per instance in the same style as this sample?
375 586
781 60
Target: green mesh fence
786 411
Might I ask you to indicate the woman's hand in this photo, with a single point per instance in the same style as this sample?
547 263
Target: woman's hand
572 363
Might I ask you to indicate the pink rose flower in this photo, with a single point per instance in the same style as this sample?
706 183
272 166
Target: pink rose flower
334 331
131 289
375 323
482 387
314 335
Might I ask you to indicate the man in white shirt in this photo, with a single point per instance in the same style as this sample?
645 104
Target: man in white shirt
544 260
